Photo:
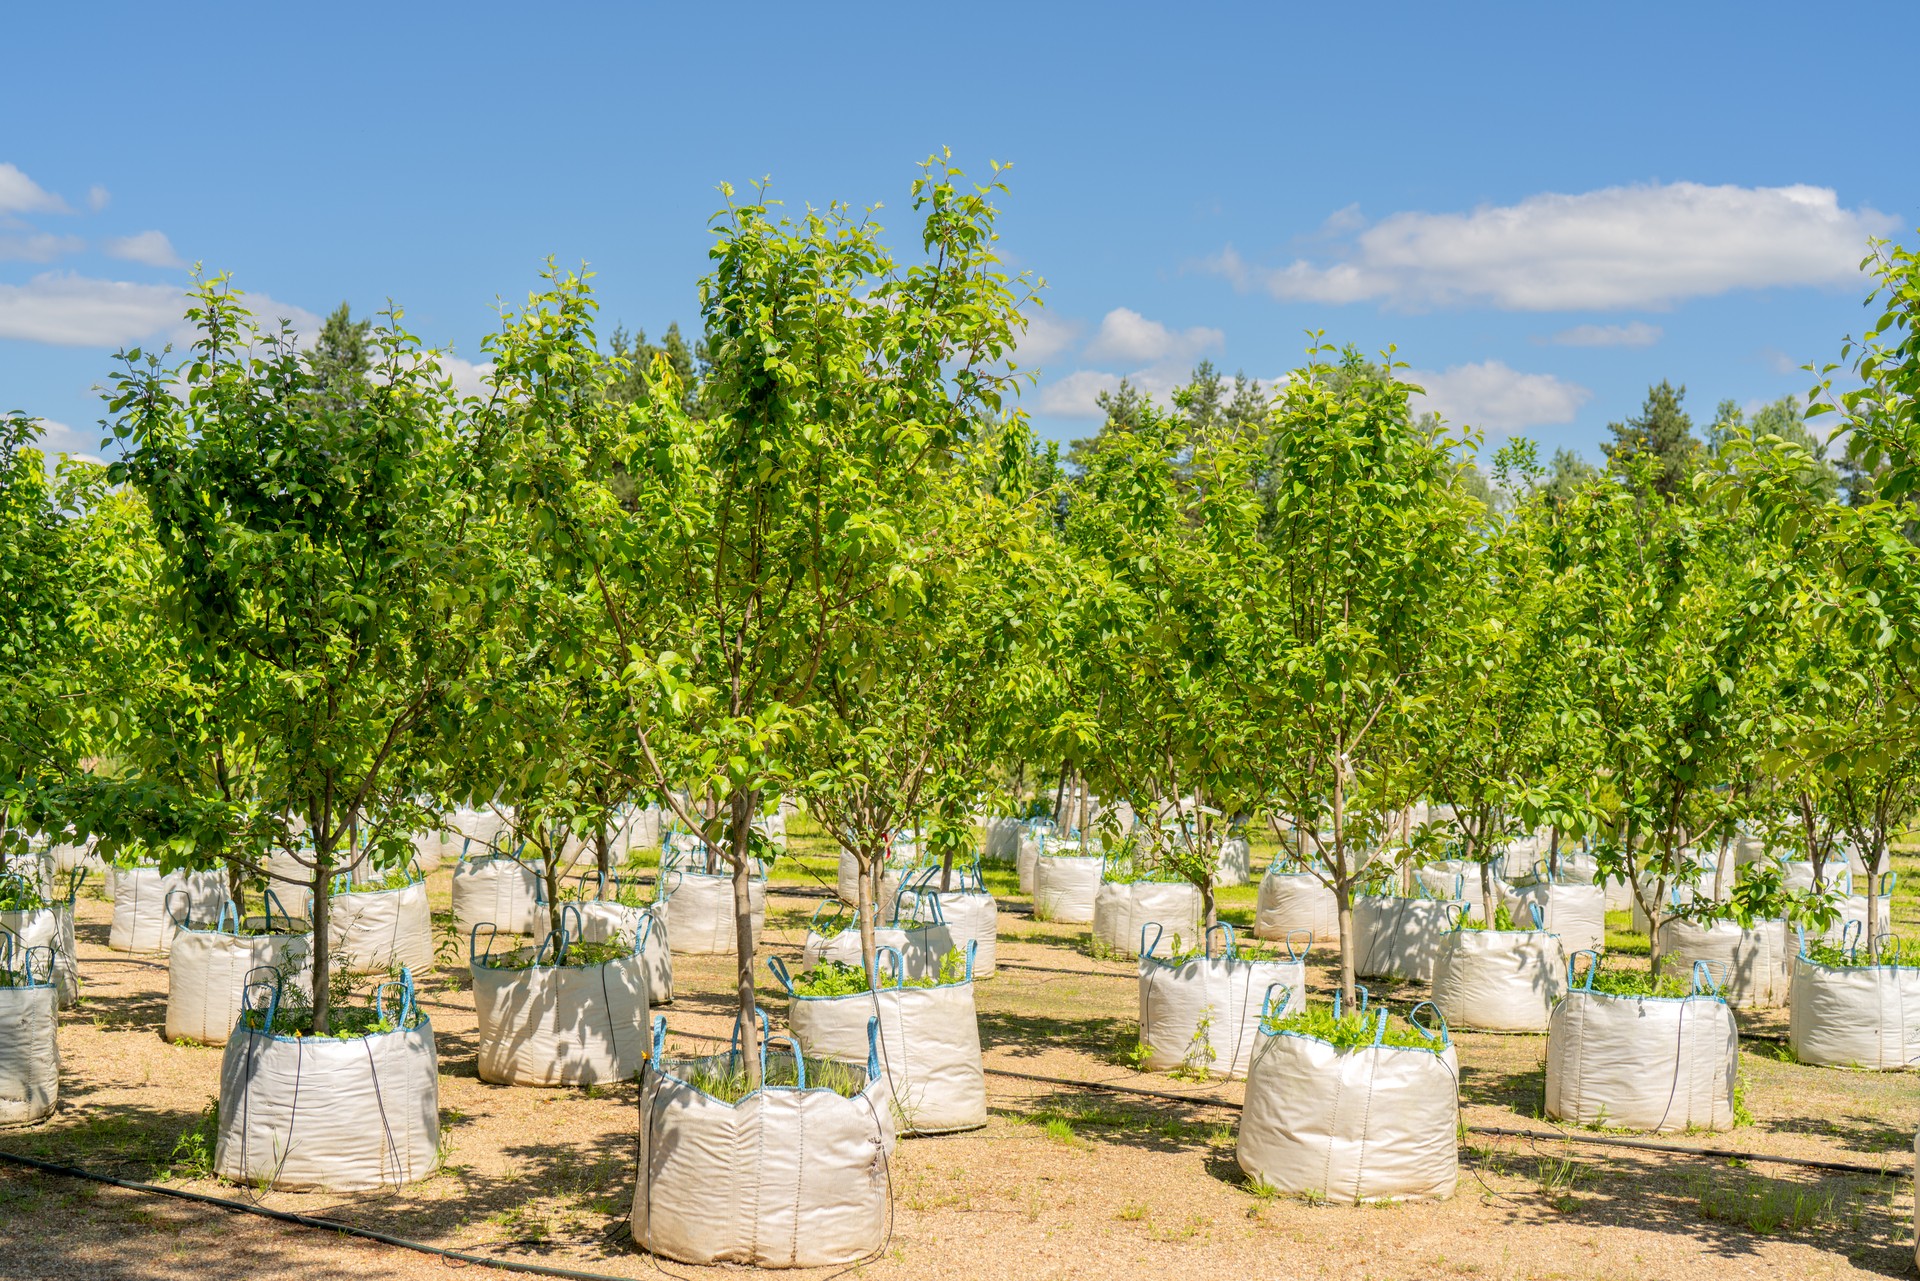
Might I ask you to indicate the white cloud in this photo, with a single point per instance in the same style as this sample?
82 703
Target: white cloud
1779 361
468 378
81 311
1077 394
149 247
1637 334
97 197
38 246
1641 246
58 438
1126 335
1496 398
1045 337
21 194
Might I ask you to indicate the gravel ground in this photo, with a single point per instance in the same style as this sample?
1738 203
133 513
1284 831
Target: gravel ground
1061 1183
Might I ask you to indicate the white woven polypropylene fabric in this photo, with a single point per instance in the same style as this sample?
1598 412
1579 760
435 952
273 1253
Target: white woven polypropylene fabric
1205 1012
700 912
1642 1062
601 922
1577 913
140 919
29 1053
1753 966
499 892
971 916
1499 980
207 978
372 930
1865 1016
314 1113
1065 887
1235 865
816 1192
49 927
1398 938
69 858
1003 840
1290 901
561 1025
929 1049
892 876
1451 878
1370 1124
1026 855
1122 911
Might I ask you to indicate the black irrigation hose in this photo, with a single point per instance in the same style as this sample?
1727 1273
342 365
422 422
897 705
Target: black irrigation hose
307 1221
1553 1136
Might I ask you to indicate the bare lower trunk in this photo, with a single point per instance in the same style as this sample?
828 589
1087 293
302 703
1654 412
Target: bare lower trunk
603 858
743 807
1486 890
1553 853
870 873
1874 877
322 887
946 871
1212 907
1343 898
550 873
237 889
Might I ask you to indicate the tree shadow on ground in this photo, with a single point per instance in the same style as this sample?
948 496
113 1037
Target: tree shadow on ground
1154 1126
1033 1035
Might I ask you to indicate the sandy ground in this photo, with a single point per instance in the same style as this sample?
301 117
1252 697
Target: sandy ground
1061 1183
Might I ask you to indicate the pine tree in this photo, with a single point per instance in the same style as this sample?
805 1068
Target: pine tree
1662 429
339 359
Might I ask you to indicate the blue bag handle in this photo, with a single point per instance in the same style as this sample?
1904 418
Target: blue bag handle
271 902
799 1063
899 966
166 905
1703 973
1268 1012
1539 917
407 1008
838 917
1296 953
1206 940
1146 948
1360 990
733 1051
571 911
1851 935
1455 915
1593 963
778 968
973 947
873 1049
271 986
1413 1021
643 934
474 955
228 921
659 1036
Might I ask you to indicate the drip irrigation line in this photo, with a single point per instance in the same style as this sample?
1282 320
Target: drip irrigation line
307 1221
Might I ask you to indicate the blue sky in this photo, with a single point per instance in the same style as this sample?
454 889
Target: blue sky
1544 207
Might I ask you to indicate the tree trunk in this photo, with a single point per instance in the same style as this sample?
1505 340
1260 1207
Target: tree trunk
744 804
1086 805
1874 877
550 872
1212 906
1553 852
1343 898
1060 796
946 871
1486 890
872 867
237 889
603 858
322 887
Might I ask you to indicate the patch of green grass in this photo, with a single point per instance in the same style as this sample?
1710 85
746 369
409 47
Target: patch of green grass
192 1155
1765 1208
1353 1029
725 1078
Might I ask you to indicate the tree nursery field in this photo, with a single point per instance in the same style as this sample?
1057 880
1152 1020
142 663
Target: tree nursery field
752 803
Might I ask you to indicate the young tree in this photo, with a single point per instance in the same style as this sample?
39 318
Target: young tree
1367 535
323 554
839 380
1662 431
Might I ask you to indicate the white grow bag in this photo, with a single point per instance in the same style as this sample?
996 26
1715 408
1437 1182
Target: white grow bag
326 1114
929 1044
1373 1123
1065 887
142 921
559 1024
1288 902
921 943
816 1192
1754 967
969 912
373 930
700 920
1205 1011
1642 1062
49 927
1003 840
1499 980
208 972
29 1034
1576 912
1123 912
1399 938
1858 1016
497 890
601 920
1032 843
1235 864
1455 879
894 873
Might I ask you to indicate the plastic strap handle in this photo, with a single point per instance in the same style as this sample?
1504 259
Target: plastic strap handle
1299 952
778 968
571 912
899 965
1800 929
229 919
272 903
643 934
1380 1025
474 955
1268 1011
659 1036
272 989
1456 916
1850 936
1593 963
1206 939
166 905
1703 975
1413 1021
1539 917
873 1049
838 917
74 878
973 947
407 1008
799 1063
1146 948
